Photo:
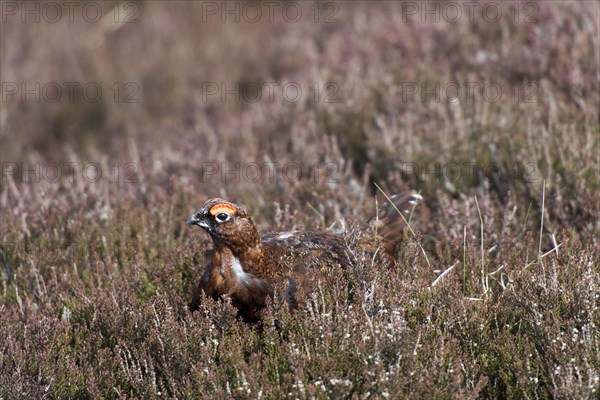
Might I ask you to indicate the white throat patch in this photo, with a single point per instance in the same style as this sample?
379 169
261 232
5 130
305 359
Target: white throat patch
237 271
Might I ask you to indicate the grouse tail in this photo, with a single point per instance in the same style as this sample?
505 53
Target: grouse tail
393 221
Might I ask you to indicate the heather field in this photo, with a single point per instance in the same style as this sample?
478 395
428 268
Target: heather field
120 120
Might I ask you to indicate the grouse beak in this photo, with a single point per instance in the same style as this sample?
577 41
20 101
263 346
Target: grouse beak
196 219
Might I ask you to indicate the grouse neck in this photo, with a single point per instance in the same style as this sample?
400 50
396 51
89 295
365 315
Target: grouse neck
251 256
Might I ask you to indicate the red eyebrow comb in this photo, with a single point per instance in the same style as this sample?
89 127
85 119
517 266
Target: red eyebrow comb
223 207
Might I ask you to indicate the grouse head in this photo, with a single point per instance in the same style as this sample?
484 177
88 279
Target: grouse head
227 224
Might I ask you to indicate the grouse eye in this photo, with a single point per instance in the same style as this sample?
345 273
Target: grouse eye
222 217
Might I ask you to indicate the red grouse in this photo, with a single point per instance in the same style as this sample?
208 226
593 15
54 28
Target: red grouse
249 268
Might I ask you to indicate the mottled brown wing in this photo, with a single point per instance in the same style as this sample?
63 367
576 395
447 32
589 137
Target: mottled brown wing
302 257
301 251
